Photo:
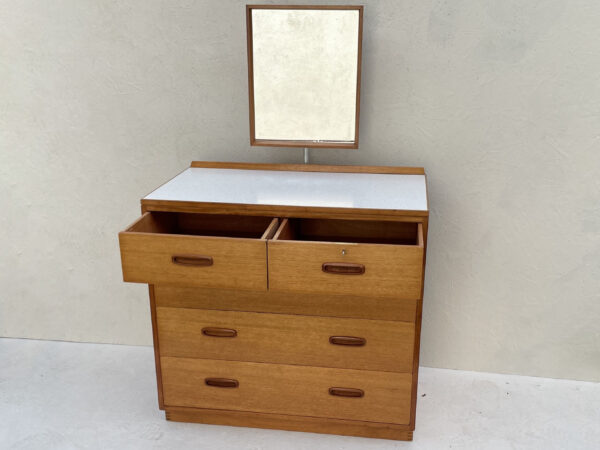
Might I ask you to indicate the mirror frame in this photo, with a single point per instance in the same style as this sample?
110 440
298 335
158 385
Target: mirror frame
302 143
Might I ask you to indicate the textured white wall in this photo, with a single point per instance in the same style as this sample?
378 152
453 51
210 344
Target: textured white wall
101 101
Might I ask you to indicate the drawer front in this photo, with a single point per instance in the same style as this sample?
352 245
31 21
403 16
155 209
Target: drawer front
197 250
286 339
342 268
329 305
236 263
281 389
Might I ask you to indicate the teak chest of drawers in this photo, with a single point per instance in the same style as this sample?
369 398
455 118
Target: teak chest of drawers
285 296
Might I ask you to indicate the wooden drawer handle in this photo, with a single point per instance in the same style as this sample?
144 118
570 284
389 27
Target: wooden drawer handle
343 268
346 392
347 340
219 332
221 382
192 260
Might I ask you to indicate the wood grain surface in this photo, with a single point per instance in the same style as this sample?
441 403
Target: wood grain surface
286 339
281 389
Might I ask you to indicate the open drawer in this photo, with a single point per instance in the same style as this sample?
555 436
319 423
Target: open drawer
370 258
197 250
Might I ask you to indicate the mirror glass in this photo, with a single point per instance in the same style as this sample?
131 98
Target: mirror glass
304 74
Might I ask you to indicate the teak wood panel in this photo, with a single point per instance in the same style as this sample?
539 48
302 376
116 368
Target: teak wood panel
147 257
390 270
285 339
161 404
281 389
351 306
309 168
282 211
290 423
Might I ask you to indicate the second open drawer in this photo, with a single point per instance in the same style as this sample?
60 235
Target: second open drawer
331 256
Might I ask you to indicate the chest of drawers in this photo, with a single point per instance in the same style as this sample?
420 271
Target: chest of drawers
285 296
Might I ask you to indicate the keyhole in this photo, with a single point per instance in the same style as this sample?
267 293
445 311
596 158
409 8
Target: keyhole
343 251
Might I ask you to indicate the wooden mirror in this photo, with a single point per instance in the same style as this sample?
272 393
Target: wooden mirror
304 75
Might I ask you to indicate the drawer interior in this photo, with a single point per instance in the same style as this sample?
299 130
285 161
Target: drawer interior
351 231
251 227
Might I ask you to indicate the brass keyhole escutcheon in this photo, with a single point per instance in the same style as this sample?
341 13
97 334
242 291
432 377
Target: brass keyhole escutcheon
344 251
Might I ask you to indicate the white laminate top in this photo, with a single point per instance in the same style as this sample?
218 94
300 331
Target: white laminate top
306 189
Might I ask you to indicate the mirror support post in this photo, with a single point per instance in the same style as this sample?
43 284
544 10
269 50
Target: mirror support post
306 155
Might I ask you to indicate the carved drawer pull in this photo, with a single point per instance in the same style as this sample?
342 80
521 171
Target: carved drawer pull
192 260
348 340
219 332
346 392
343 268
222 382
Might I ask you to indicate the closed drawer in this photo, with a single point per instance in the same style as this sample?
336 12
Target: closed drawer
297 390
286 339
383 259
197 250
285 302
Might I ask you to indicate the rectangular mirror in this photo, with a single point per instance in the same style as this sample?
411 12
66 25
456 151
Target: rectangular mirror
304 75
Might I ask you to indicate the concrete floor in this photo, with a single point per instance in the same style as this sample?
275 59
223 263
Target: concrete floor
58 395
